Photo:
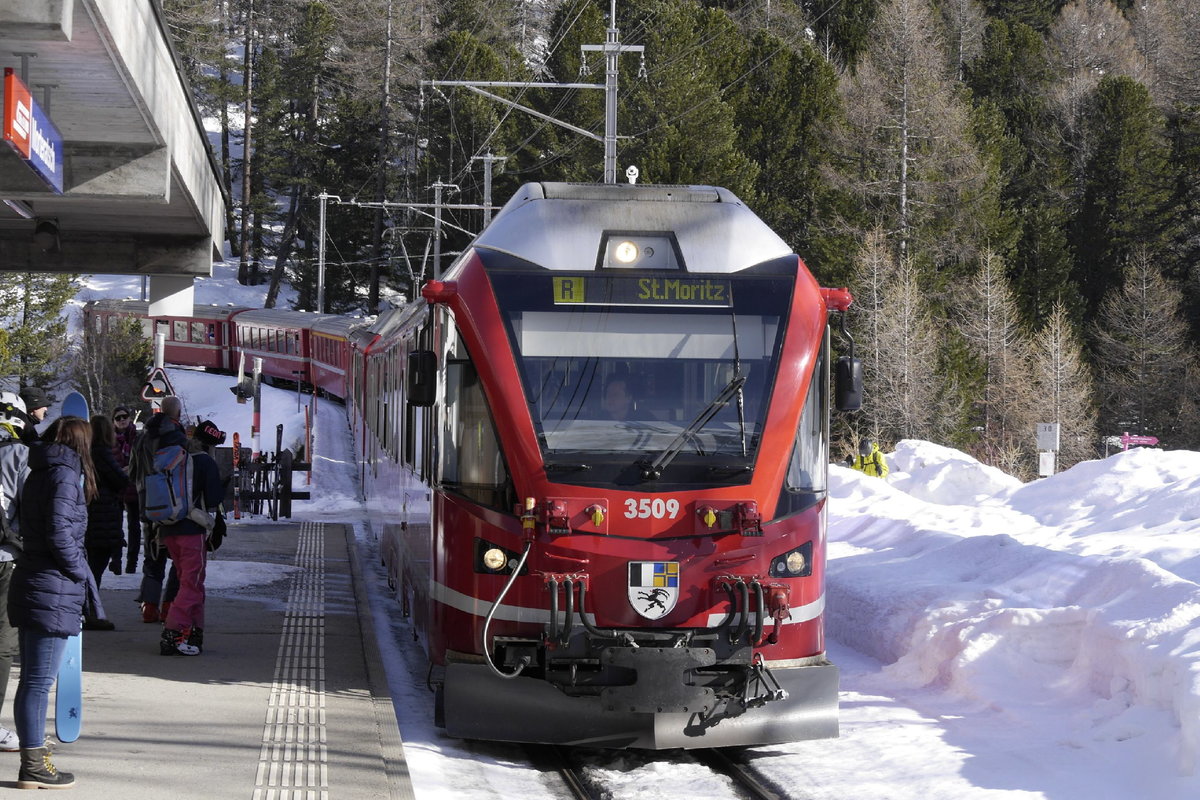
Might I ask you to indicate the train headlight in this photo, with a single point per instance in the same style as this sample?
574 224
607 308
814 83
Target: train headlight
795 563
495 559
625 252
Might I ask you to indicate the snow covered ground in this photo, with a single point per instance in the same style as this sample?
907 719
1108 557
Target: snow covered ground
996 639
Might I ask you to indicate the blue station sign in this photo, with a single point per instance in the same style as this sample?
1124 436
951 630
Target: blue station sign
30 131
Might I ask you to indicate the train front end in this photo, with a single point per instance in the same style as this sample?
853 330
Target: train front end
628 525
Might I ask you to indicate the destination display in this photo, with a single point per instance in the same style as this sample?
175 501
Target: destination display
629 291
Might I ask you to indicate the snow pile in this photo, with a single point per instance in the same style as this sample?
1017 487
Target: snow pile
994 608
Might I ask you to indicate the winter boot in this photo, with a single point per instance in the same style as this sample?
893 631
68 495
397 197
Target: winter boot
149 612
166 608
195 638
174 644
38 772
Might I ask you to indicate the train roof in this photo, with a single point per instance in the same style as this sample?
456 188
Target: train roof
142 308
337 325
554 225
282 318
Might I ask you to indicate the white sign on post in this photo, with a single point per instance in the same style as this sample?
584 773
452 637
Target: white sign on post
1047 436
1045 464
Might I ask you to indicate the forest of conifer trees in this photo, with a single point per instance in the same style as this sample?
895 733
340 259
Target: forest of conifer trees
1011 188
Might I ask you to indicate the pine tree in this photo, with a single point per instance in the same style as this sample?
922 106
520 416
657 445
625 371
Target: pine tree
110 366
988 322
907 152
904 396
32 312
1124 185
784 100
1145 365
1012 74
1037 14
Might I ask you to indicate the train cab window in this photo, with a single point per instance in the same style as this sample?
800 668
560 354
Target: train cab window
198 333
472 462
808 469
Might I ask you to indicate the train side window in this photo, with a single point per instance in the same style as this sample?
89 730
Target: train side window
198 332
472 462
180 333
808 469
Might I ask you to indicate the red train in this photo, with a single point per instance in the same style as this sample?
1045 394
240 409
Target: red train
595 456
293 345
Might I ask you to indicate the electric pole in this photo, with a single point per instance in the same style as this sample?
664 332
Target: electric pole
612 49
488 160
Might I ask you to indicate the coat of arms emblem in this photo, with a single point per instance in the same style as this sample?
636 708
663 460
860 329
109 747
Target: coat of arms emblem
653 587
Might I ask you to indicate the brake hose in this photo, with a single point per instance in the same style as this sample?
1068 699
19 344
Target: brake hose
487 651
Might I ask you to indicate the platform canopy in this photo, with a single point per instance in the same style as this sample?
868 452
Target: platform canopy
140 190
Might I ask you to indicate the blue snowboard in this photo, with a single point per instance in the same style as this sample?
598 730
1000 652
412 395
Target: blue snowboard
68 696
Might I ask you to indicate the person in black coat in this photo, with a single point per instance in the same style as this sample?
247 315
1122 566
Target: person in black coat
105 530
51 583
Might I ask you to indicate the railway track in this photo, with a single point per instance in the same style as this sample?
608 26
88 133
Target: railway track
572 770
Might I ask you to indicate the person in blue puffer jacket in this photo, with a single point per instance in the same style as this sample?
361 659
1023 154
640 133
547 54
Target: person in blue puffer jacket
51 583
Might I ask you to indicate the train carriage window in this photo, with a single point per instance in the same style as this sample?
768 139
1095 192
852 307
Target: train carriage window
198 333
180 333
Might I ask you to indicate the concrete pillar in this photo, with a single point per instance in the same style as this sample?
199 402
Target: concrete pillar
171 295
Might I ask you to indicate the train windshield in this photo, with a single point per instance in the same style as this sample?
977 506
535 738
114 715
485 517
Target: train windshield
625 373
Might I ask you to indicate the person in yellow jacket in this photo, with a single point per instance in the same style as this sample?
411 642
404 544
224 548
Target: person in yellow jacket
870 460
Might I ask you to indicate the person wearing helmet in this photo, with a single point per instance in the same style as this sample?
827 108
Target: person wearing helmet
870 460
14 466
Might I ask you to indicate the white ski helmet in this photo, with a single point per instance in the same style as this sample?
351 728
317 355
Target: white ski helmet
10 403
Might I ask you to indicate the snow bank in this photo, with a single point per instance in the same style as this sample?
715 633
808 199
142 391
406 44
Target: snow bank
975 606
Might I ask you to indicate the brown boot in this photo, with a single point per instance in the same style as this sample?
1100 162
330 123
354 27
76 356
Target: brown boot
38 772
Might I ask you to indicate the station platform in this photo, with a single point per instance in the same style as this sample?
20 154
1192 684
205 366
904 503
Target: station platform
288 700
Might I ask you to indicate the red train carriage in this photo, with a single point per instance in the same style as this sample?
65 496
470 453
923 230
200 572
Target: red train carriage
330 355
281 338
597 465
199 339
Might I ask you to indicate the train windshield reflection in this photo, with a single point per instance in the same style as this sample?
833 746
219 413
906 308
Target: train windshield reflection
632 379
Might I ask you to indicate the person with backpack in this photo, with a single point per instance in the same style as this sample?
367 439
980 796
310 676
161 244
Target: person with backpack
870 460
179 493
14 466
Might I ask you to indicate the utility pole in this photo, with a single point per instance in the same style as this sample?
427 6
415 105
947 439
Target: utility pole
322 198
488 160
381 171
612 49
437 224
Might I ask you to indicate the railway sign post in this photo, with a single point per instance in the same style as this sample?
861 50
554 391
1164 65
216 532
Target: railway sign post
1137 441
157 386
1047 443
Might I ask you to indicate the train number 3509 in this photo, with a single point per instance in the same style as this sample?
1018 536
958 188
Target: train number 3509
658 508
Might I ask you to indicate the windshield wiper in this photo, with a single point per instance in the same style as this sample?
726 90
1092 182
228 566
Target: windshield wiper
652 470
